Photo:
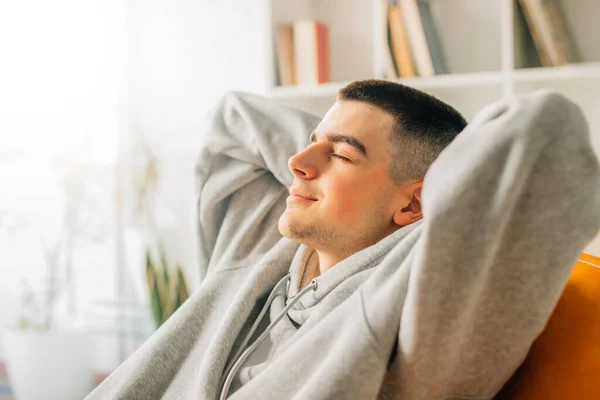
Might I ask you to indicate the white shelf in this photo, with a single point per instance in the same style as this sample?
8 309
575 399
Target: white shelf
589 70
486 43
435 82
454 81
286 92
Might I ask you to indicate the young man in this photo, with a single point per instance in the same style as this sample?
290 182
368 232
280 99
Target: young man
364 169
396 276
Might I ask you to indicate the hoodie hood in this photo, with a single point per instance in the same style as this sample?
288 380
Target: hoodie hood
350 272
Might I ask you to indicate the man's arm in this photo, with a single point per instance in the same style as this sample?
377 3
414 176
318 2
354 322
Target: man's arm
242 177
507 207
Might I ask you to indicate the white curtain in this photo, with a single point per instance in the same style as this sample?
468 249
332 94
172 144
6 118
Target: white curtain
63 111
84 84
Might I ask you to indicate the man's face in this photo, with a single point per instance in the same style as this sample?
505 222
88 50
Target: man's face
354 200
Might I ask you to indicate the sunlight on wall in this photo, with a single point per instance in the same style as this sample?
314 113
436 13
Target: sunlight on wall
62 76
186 55
70 64
61 81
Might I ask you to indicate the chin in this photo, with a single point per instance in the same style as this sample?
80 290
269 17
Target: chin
283 225
288 227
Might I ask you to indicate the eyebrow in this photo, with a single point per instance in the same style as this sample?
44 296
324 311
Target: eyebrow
336 138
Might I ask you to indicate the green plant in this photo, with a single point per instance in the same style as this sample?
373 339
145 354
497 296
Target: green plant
167 290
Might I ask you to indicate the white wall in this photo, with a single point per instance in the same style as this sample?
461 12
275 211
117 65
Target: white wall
182 55
60 77
185 55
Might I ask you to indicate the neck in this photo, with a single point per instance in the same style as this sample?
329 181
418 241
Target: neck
328 260
311 269
320 261
317 263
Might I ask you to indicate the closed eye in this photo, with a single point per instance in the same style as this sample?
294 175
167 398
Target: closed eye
340 157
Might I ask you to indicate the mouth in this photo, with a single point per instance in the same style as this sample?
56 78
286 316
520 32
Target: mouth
298 199
295 193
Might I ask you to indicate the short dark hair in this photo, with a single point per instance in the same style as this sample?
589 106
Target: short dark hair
423 125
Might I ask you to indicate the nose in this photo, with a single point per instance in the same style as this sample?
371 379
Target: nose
303 164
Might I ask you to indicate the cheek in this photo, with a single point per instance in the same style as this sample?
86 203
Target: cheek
351 197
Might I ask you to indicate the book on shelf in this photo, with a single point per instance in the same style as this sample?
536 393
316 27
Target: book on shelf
412 45
534 31
563 35
390 71
284 45
399 43
311 52
416 37
433 40
552 38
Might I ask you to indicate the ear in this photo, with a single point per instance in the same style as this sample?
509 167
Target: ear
409 208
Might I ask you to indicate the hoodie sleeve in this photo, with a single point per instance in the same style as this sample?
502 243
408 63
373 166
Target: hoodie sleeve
507 209
242 177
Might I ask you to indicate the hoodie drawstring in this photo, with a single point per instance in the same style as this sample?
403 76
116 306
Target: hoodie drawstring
232 370
254 327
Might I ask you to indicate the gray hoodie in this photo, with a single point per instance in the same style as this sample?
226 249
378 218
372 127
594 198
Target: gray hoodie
445 308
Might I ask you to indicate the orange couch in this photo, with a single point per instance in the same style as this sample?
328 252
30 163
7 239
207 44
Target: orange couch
564 362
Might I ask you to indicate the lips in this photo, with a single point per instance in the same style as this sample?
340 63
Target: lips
300 193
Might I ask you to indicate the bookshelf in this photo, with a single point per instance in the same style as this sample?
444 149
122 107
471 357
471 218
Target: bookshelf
487 46
584 71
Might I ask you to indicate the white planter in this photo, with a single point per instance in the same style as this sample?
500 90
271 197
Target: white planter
49 365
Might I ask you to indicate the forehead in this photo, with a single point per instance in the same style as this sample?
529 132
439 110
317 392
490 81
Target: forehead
369 124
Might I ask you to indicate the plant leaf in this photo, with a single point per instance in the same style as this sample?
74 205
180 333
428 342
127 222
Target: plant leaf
155 302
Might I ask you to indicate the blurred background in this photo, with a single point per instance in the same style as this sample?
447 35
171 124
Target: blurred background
102 105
